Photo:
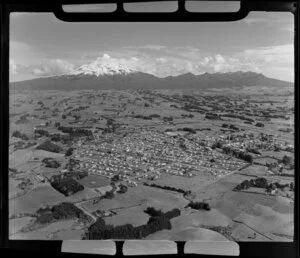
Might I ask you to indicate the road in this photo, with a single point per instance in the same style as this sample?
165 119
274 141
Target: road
223 176
78 205
85 211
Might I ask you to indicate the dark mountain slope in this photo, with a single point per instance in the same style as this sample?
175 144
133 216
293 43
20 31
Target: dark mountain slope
139 80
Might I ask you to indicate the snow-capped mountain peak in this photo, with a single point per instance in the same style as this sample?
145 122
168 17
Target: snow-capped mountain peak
105 66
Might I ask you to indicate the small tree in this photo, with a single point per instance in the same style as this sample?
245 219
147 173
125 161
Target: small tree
292 186
259 124
108 195
123 189
286 160
217 144
276 148
115 178
51 163
69 152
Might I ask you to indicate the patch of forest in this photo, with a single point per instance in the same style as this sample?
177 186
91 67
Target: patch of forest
58 212
66 184
49 146
262 182
157 221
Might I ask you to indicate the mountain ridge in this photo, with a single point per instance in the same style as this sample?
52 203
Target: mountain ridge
128 78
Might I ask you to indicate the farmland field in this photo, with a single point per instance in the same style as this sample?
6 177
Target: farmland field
92 181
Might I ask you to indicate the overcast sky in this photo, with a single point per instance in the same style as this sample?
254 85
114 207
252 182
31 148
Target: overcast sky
41 45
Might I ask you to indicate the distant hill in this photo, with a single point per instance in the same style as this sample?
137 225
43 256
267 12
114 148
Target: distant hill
115 76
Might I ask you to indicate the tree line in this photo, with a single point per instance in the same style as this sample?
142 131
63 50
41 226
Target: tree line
157 221
239 117
57 212
20 135
49 146
262 182
238 154
75 132
170 188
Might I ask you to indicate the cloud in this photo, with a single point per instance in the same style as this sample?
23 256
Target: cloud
170 65
48 67
161 60
25 54
52 67
273 61
16 68
13 66
106 56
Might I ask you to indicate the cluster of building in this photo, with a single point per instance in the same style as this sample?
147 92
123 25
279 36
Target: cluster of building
148 154
260 141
